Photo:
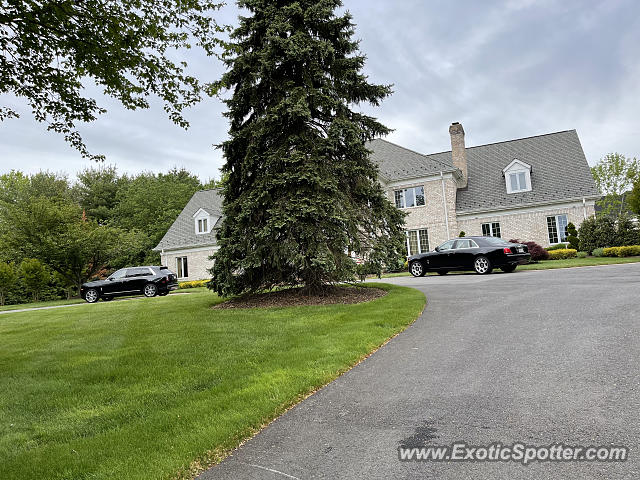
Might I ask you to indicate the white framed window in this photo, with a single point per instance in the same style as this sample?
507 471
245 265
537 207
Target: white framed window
410 197
517 176
182 267
203 225
491 229
417 241
557 228
203 221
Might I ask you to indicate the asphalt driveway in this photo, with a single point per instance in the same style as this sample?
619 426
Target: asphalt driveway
539 357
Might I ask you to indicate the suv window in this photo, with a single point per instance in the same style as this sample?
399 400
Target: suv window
118 274
448 245
463 244
139 272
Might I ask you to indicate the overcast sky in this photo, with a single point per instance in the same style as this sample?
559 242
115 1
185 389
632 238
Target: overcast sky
504 70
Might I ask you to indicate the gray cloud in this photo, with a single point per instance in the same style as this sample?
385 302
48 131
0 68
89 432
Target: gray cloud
504 69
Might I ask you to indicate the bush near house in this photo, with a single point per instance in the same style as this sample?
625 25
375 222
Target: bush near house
193 284
582 254
562 254
572 237
625 251
598 252
559 246
536 251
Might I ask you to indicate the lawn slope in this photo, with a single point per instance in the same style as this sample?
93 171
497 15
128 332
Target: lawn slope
142 389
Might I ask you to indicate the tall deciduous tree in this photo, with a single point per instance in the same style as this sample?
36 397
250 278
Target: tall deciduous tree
614 176
8 280
96 192
48 47
34 275
300 189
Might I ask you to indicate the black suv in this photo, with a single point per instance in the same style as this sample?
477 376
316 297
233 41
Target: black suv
150 281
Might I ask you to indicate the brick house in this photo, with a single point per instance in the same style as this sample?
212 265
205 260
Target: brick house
529 188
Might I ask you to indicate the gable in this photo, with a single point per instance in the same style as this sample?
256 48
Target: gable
182 233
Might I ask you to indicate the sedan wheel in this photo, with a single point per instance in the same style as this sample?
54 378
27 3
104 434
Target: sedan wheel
416 269
91 295
150 290
482 265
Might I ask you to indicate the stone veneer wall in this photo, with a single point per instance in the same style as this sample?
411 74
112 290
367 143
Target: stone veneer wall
527 225
197 262
431 216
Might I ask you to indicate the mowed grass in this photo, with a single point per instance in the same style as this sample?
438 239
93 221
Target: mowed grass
49 303
143 389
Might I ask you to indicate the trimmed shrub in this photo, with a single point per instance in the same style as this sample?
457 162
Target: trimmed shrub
582 254
562 254
626 251
572 236
596 232
462 234
193 284
559 246
598 252
627 232
536 251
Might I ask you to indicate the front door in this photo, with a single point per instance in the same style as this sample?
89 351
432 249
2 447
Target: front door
465 250
116 281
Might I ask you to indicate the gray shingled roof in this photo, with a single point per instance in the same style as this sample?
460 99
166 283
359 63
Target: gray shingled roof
559 171
399 163
182 234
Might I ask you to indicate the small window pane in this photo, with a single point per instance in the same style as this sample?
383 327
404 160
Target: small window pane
523 181
424 241
562 227
553 231
413 242
420 197
514 181
409 198
496 230
486 230
399 197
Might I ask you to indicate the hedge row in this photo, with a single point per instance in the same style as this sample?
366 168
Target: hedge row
626 251
193 284
561 254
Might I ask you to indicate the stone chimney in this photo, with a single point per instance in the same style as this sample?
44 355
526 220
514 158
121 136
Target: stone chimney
458 152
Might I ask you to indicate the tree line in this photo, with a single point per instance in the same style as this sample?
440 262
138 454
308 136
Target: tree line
56 233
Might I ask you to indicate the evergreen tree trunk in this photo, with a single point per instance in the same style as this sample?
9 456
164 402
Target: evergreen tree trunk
301 191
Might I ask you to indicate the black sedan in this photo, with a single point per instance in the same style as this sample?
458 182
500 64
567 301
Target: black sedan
149 281
479 254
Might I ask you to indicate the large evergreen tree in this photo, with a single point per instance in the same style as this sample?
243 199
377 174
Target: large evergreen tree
301 190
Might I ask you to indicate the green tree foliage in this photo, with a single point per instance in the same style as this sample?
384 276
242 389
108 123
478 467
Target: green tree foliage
8 278
634 198
627 232
151 202
96 191
34 275
125 46
597 232
614 176
572 236
300 189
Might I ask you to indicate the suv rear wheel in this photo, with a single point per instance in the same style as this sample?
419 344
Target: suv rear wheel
150 290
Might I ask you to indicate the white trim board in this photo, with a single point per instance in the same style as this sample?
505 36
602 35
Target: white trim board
178 251
519 211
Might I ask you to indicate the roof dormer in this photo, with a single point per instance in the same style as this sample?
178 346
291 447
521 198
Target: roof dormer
203 221
517 176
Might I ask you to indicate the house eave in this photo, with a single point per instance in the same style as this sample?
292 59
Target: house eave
500 208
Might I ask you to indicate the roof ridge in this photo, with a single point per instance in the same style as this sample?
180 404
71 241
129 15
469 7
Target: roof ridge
417 153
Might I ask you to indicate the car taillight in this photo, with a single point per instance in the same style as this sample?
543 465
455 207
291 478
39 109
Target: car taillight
507 250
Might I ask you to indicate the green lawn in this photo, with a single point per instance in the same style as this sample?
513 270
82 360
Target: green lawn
143 389
550 264
41 304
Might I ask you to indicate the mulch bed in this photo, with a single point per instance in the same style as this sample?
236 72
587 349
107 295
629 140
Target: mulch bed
294 297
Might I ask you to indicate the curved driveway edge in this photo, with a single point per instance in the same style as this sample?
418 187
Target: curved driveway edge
539 357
